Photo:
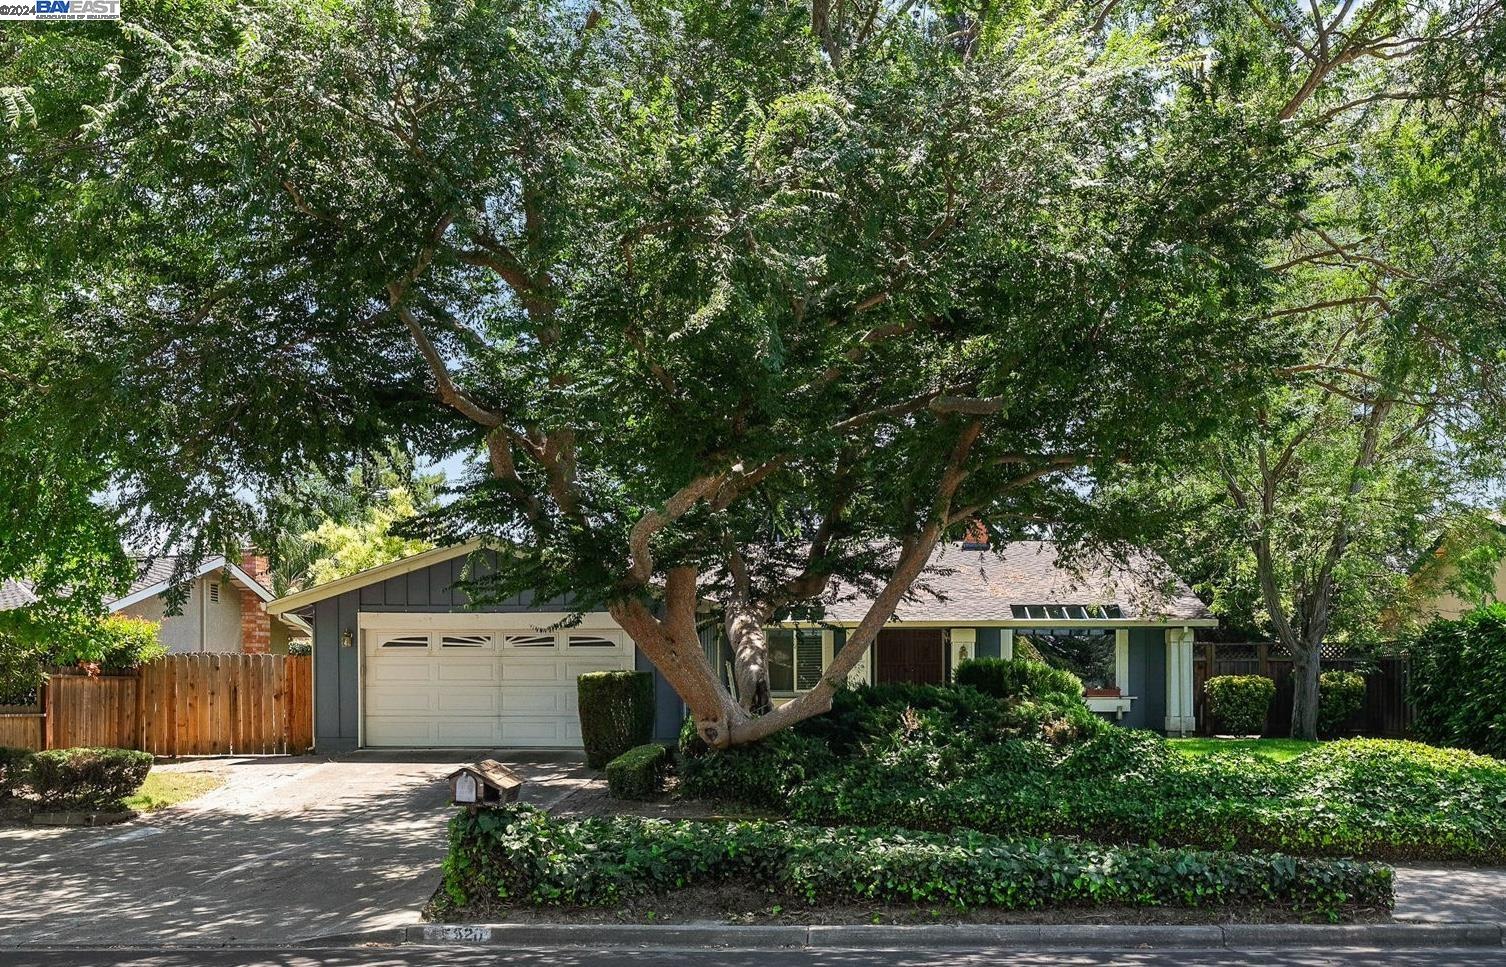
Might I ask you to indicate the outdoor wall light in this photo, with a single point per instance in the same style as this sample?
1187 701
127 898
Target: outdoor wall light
347 638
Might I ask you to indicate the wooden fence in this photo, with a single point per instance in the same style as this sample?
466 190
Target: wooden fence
203 704
1386 712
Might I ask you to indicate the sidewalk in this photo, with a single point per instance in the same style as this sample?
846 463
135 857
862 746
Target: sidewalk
1450 894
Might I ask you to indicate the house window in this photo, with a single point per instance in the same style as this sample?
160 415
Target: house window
528 641
1088 653
407 641
214 592
795 659
591 641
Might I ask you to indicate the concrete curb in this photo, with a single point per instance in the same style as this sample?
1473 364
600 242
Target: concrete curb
928 936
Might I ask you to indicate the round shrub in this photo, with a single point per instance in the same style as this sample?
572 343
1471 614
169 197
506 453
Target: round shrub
616 713
14 764
1239 703
87 778
1340 695
1458 678
1007 678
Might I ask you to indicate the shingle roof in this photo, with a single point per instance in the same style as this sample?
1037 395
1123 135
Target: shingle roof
152 571
975 585
15 594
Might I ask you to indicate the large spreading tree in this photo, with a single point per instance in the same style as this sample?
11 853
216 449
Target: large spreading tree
734 299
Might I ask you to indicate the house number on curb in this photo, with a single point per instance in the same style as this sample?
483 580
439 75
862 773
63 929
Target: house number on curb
447 934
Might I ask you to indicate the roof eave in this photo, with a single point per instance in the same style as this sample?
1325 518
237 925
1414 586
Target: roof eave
392 569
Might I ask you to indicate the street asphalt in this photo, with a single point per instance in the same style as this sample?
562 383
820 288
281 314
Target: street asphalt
416 956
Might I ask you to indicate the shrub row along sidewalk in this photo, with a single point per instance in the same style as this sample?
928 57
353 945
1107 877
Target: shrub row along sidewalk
520 855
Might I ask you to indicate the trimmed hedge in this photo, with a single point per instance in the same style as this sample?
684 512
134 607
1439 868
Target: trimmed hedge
523 855
1007 678
87 778
1240 703
14 765
1458 678
1340 695
638 773
616 713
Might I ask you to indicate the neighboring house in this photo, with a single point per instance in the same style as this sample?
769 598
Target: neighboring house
1434 588
225 610
401 660
15 594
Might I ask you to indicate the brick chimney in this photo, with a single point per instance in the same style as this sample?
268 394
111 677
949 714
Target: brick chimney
256 624
976 538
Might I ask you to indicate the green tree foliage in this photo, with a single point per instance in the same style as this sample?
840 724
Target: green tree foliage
733 299
1458 676
321 529
1303 515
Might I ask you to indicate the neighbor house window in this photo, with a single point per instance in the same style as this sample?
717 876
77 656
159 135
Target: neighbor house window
1088 653
795 659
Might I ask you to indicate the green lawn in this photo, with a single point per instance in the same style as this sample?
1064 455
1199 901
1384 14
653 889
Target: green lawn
1277 750
163 789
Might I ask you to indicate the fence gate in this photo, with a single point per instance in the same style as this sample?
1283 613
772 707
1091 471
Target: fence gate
201 704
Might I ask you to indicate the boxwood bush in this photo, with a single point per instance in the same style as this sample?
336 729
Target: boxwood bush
96 779
1239 703
1007 678
1340 696
1458 678
616 713
522 855
639 772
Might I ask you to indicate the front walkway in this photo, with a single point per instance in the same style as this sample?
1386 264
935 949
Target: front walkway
289 848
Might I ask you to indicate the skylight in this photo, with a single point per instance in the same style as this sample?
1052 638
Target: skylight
1067 612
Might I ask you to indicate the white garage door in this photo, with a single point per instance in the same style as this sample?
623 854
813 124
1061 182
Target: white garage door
463 688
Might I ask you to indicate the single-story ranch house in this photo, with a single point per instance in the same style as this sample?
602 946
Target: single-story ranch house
400 660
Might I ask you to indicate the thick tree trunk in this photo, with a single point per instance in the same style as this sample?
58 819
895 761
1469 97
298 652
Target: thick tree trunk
1305 666
750 658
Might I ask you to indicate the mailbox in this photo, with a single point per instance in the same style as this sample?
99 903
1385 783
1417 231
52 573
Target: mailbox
487 783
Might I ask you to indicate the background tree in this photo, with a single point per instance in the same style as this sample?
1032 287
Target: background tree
735 301
318 529
1310 509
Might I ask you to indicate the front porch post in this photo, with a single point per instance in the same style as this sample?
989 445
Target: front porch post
1180 718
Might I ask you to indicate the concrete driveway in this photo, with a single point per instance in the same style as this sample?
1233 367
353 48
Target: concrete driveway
287 849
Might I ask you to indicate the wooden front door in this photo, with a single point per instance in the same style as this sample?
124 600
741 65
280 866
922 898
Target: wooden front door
916 655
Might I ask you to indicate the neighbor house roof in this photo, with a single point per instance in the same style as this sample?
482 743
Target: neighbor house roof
153 577
1007 583
156 576
15 594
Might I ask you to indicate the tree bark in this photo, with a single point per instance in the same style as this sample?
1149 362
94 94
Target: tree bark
1305 667
749 642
